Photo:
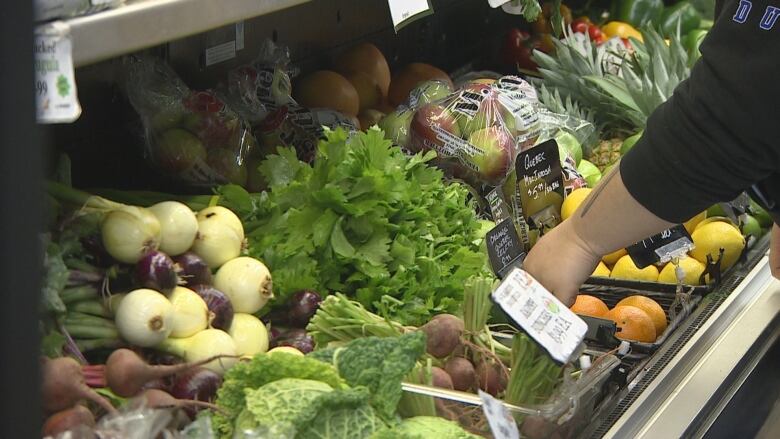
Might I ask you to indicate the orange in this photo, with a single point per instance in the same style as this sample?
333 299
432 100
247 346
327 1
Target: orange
633 324
589 306
651 307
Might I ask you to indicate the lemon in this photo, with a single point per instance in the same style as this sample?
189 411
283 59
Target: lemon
614 256
691 224
601 270
573 201
692 268
715 219
626 269
711 237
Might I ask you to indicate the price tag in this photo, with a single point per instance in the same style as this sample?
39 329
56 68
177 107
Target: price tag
55 82
548 321
404 12
496 3
540 183
499 210
513 7
504 247
663 247
502 425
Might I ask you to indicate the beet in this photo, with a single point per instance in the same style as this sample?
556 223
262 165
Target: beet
462 373
63 385
491 378
159 399
127 373
443 333
441 378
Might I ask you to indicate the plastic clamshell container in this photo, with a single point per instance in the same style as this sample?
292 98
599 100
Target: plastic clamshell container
574 402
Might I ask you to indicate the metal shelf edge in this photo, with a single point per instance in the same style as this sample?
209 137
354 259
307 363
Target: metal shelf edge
146 23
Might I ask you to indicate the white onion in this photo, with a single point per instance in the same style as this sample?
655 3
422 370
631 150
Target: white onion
205 344
224 216
144 317
129 233
249 333
286 349
179 226
216 243
247 283
190 313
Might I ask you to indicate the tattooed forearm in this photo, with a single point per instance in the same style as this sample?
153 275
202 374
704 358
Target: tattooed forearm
596 192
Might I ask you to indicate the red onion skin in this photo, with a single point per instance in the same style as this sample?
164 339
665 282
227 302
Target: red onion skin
297 338
193 270
157 271
218 303
302 306
197 384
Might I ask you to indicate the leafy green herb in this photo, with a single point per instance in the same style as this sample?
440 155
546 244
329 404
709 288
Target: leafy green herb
425 427
366 220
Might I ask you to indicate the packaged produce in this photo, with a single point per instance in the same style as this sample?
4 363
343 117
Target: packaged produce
193 137
262 94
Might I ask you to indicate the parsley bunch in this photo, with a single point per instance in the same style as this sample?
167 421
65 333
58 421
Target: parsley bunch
368 221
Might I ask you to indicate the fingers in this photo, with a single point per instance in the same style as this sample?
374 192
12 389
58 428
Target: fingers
774 252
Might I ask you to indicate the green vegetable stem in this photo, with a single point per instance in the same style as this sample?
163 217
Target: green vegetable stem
534 376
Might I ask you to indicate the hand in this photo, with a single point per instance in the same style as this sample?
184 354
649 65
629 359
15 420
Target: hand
774 251
561 261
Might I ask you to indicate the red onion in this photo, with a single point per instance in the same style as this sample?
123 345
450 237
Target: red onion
157 271
193 270
218 304
303 305
197 384
297 338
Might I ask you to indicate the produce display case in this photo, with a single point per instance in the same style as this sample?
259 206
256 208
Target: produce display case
620 395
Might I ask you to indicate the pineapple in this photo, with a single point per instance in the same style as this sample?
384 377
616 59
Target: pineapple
620 95
606 153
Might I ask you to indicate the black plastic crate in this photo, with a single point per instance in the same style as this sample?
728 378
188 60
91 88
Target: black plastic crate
676 311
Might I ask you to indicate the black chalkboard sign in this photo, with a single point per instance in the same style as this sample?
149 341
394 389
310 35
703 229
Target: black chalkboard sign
540 185
649 251
504 247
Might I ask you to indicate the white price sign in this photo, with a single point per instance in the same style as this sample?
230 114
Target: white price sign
55 82
502 425
545 318
403 12
496 3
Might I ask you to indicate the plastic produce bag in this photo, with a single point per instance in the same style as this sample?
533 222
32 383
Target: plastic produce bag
51 9
193 137
261 92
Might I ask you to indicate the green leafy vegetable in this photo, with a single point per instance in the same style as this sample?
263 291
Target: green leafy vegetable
425 427
283 402
366 220
259 371
343 414
380 364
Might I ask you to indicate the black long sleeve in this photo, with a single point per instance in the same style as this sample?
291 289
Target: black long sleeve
720 131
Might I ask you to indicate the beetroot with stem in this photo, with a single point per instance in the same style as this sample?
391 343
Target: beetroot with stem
63 385
154 398
441 378
218 303
126 372
193 270
491 377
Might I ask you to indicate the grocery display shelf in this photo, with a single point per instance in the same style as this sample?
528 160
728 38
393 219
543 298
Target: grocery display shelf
145 23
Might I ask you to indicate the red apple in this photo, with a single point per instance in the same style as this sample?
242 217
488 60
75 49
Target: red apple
177 150
430 125
496 149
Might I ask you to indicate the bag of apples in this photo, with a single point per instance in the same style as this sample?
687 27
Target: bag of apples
191 136
478 130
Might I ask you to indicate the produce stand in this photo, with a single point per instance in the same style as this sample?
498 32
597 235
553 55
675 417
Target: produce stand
150 73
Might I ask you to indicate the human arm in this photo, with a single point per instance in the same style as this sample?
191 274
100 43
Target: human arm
713 139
